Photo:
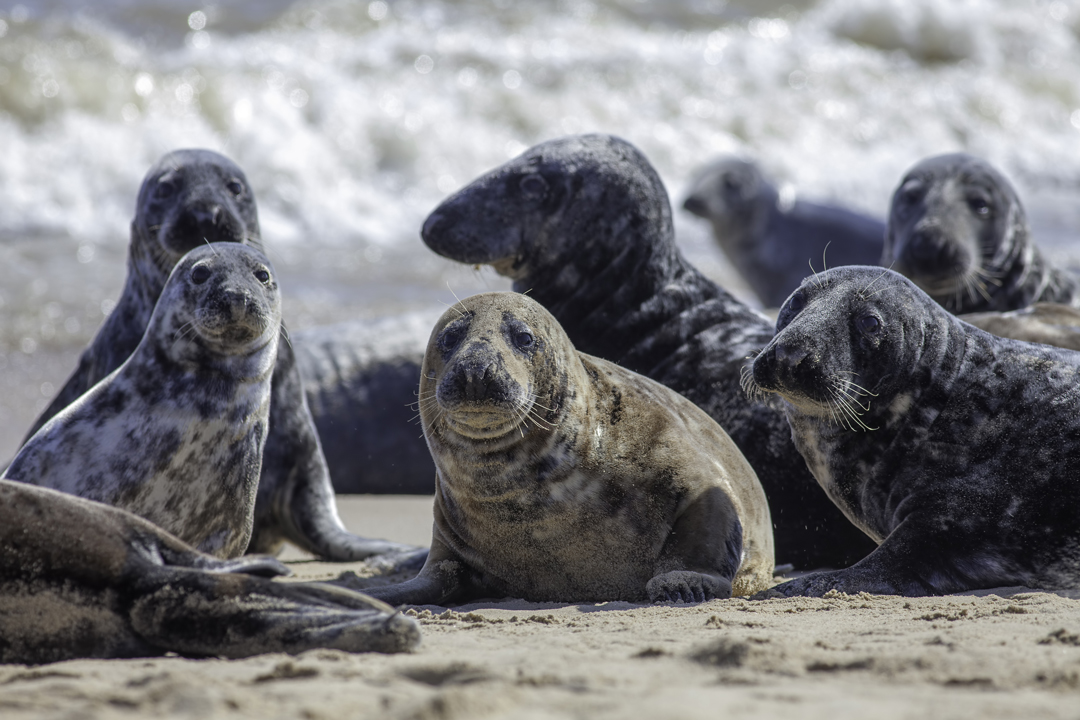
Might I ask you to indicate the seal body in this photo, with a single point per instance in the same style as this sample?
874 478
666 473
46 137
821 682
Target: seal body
1046 323
188 198
360 380
774 239
955 449
176 433
563 477
82 579
958 230
583 225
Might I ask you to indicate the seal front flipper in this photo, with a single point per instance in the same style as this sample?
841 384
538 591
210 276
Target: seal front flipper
444 578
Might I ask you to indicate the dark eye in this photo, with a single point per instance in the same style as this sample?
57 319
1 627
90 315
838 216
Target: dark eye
262 276
979 205
868 325
450 338
165 190
910 192
533 185
235 187
200 274
523 339
796 302
731 184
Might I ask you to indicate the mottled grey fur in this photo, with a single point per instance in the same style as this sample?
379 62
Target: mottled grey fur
563 477
958 451
774 240
957 228
176 433
81 579
583 224
189 198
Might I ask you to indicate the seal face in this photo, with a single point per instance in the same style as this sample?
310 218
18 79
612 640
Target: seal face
176 433
956 450
773 238
188 199
563 477
82 579
957 229
583 224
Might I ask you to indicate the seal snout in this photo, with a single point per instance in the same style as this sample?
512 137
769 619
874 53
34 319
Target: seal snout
929 252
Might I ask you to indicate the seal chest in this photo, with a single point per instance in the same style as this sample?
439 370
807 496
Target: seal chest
562 477
955 449
176 433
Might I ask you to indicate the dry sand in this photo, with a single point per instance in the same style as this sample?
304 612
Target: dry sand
1008 653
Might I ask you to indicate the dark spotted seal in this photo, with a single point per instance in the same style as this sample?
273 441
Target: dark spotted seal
81 579
958 230
956 450
176 433
1046 323
563 477
772 239
583 225
188 198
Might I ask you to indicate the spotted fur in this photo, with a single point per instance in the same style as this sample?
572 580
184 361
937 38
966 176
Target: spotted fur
772 240
957 228
583 225
191 198
955 449
563 477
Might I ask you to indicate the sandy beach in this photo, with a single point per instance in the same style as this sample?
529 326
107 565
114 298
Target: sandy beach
1002 653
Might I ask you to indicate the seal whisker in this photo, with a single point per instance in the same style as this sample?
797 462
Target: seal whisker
285 334
863 294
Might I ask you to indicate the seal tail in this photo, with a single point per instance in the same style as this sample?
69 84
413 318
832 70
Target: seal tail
229 615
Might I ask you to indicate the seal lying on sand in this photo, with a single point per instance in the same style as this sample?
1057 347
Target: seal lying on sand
188 198
81 579
1046 323
773 240
958 451
563 477
175 434
583 225
958 230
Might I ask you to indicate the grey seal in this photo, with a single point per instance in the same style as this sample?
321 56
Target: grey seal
773 239
176 433
956 450
563 477
188 198
957 228
82 579
583 224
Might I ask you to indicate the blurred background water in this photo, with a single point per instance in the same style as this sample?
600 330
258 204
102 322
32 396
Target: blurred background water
353 119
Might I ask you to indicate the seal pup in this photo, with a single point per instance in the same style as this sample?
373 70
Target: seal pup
82 579
958 230
175 434
1046 323
583 224
956 450
187 198
772 237
566 478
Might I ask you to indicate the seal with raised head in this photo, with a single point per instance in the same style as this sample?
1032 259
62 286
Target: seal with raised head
189 198
583 224
566 478
956 450
82 579
958 230
773 238
175 434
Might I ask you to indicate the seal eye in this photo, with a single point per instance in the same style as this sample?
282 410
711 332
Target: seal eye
797 302
235 187
450 338
200 274
524 340
868 325
979 205
262 276
165 189
533 186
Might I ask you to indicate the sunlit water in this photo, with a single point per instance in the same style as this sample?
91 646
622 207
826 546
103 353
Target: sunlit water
353 119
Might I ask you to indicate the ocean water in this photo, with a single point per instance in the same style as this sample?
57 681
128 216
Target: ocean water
353 119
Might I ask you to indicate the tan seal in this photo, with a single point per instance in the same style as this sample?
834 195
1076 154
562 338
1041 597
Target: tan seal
563 477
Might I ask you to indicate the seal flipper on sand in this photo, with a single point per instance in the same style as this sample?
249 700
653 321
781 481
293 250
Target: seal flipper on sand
82 579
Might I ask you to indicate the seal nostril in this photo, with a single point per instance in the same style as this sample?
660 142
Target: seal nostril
695 205
790 356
